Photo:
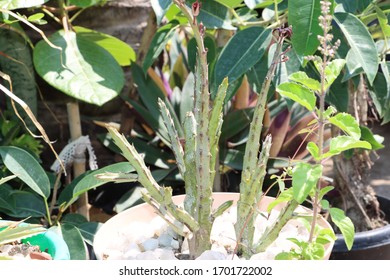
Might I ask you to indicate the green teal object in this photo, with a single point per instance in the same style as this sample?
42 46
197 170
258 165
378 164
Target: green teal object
51 243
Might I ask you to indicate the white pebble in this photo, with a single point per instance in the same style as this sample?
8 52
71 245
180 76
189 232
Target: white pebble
164 254
211 255
148 255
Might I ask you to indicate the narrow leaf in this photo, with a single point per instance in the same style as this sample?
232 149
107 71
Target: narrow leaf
303 16
241 53
160 7
27 168
159 41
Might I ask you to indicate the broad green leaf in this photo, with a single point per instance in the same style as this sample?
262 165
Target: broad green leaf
361 43
302 78
37 18
304 178
20 4
160 7
375 140
299 94
259 4
344 224
313 150
380 94
383 22
332 71
346 6
340 144
230 3
187 95
82 69
346 123
129 199
215 15
122 52
74 219
159 41
353 66
75 242
91 181
303 16
88 231
86 3
242 52
7 205
27 204
27 168
235 122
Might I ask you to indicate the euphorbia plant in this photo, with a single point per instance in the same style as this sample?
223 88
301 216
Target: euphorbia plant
196 157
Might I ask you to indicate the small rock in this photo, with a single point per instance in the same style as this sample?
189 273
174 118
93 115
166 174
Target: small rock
150 244
165 240
211 255
164 254
148 255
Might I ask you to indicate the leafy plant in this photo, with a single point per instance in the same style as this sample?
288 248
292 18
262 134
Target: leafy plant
197 156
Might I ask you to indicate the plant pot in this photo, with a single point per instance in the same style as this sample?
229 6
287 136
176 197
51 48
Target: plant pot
145 213
368 245
49 242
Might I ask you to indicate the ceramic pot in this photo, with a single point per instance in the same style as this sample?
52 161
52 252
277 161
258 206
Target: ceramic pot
368 245
145 213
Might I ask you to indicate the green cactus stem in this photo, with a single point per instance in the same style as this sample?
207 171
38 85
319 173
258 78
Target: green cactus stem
245 211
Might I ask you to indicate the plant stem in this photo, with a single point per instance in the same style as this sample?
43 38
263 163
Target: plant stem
248 200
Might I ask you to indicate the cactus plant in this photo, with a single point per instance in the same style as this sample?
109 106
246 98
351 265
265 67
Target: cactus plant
196 160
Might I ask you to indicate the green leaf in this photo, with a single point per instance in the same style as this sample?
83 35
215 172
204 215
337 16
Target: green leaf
123 53
235 122
129 199
299 94
361 43
259 4
346 123
37 18
340 144
383 22
20 4
85 3
344 224
304 178
242 52
27 168
215 15
160 7
192 50
82 70
284 196
74 219
303 16
27 204
332 71
313 150
14 231
90 181
230 3
88 231
159 41
75 242
302 78
375 140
